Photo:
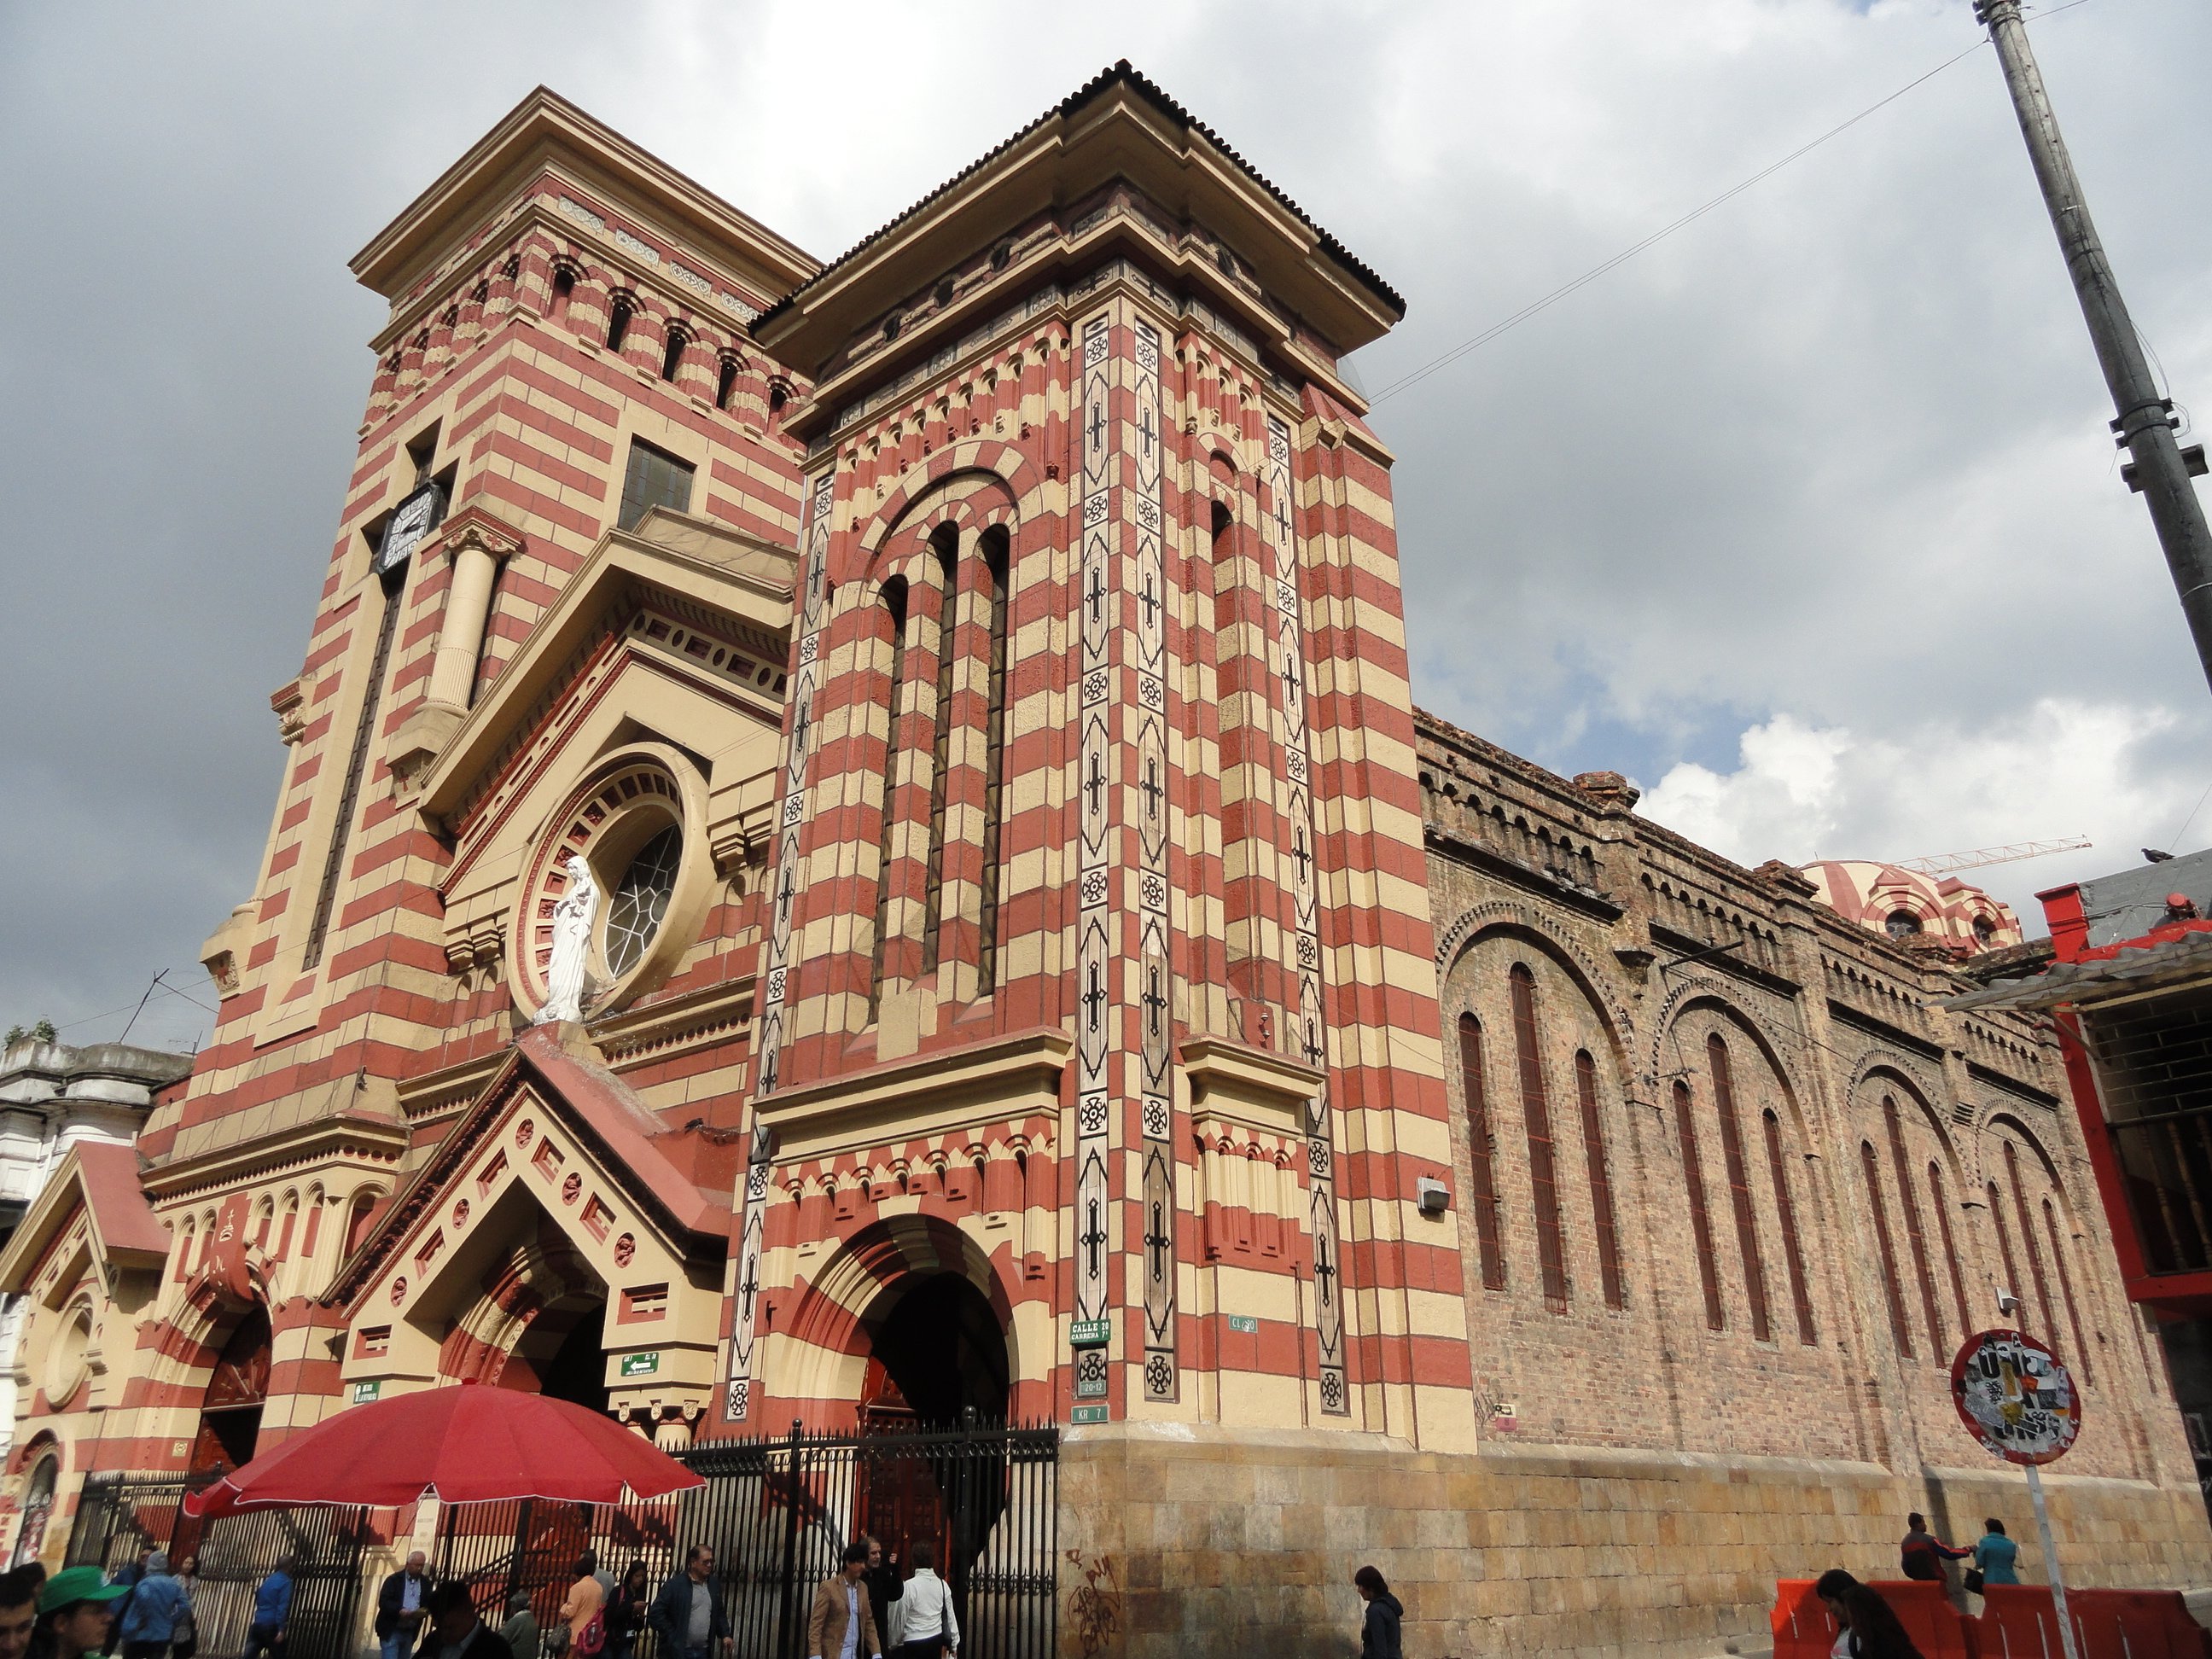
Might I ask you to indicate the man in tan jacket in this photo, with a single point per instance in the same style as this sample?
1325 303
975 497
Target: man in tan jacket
842 1626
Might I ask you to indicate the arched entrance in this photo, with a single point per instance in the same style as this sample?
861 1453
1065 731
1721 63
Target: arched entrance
38 1506
936 1358
230 1410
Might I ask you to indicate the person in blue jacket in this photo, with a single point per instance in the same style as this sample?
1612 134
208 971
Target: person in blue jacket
272 1613
1997 1557
157 1606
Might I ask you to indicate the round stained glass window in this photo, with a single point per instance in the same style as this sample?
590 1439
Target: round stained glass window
640 900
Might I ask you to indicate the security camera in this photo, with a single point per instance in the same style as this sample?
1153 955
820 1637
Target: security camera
2007 1303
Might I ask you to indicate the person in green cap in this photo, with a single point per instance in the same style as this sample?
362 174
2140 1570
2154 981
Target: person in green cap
75 1608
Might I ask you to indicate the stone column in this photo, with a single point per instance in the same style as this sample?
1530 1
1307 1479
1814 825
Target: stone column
476 550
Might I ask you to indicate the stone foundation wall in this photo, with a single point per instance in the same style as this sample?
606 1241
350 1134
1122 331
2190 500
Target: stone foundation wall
1181 1541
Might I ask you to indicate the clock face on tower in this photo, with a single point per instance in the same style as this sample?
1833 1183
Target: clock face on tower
415 518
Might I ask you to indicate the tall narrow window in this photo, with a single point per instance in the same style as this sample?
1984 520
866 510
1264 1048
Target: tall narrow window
1701 1220
326 890
1739 1179
654 478
1601 1183
671 353
1937 1196
894 598
1785 1209
1536 1113
945 540
995 564
726 383
1870 1166
564 289
620 309
1481 1156
2066 1286
2014 1286
1938 1346
2043 1302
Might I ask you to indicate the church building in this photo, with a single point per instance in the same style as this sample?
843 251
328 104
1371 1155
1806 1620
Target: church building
856 852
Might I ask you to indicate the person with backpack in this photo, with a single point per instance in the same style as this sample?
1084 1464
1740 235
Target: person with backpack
1382 1626
924 1626
584 1610
157 1604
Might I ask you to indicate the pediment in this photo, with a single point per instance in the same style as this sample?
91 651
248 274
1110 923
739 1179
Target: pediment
91 1216
710 600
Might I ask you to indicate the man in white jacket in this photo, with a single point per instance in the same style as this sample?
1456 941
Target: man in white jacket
926 1626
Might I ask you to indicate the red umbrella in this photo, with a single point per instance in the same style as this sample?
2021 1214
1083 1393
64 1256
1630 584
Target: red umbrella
469 1444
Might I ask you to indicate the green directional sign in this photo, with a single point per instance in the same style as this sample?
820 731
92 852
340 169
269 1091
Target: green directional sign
640 1364
365 1391
1087 1333
1090 1413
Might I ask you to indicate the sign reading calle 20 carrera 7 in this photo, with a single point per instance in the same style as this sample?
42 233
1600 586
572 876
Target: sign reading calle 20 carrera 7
2015 1397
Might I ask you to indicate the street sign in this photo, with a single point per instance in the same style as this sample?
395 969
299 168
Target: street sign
2015 1397
1090 1413
365 1391
1087 1333
640 1364
1243 1323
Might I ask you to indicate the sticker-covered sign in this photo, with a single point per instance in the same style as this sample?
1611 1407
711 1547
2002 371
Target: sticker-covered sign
2015 1397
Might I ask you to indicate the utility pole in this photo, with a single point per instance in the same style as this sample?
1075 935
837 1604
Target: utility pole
2144 421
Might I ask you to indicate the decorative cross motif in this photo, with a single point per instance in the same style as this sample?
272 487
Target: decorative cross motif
1093 1240
1324 1270
1149 599
1095 785
1299 854
1155 998
1151 786
750 1287
1145 429
1157 1242
1094 998
799 724
1312 1045
1097 597
1097 425
1290 682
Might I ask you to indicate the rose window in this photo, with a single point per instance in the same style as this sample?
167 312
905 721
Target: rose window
640 900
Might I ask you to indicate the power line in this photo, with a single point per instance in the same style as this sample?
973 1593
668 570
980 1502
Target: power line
1660 235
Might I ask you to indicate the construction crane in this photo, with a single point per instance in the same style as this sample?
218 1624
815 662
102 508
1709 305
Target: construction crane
1942 864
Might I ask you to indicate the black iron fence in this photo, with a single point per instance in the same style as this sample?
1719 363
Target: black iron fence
119 1516
778 1514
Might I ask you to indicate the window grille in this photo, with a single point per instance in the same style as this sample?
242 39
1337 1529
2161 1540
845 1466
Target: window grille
894 600
1536 1115
1701 1221
996 561
654 478
1608 1241
1870 1166
641 898
1747 1222
1481 1153
946 541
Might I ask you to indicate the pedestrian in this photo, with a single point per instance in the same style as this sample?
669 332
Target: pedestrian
1867 1626
1996 1558
156 1605
925 1626
883 1591
19 1612
77 1611
401 1605
456 1632
187 1641
1381 1630
687 1615
127 1575
842 1626
1921 1554
625 1610
581 1612
520 1632
272 1613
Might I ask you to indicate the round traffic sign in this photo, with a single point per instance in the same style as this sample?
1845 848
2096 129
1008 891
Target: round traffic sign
2015 1397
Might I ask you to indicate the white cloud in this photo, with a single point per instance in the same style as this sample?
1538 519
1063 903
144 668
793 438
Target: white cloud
2059 768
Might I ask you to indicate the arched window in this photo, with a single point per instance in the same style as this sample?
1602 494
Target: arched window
184 1252
1481 1156
621 308
1608 1241
364 1205
1901 924
2034 1250
1935 1194
2066 1287
944 541
1793 1252
1914 1237
314 1223
564 289
671 354
726 382
1701 1220
1739 1181
2013 1285
996 563
893 595
1536 1115
291 1221
1870 1166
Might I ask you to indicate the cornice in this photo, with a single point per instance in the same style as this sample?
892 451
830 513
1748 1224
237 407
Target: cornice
256 1157
923 1093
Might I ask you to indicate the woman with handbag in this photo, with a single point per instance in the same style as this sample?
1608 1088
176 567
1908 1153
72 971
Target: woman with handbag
926 1626
1995 1558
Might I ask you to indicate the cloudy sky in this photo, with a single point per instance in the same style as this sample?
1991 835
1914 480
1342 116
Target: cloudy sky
1804 517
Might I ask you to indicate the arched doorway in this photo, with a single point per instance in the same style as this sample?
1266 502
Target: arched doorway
37 1508
938 1357
577 1371
230 1410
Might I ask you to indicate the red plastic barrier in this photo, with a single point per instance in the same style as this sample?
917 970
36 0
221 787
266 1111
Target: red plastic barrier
2019 1622
1802 1628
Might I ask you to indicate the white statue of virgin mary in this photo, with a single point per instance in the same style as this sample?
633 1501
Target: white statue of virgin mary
572 940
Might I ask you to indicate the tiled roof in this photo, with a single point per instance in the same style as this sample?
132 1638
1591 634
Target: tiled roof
1121 74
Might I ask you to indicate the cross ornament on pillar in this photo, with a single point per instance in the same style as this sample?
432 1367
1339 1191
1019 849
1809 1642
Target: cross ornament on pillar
1157 1241
1093 1240
1094 998
1324 1271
